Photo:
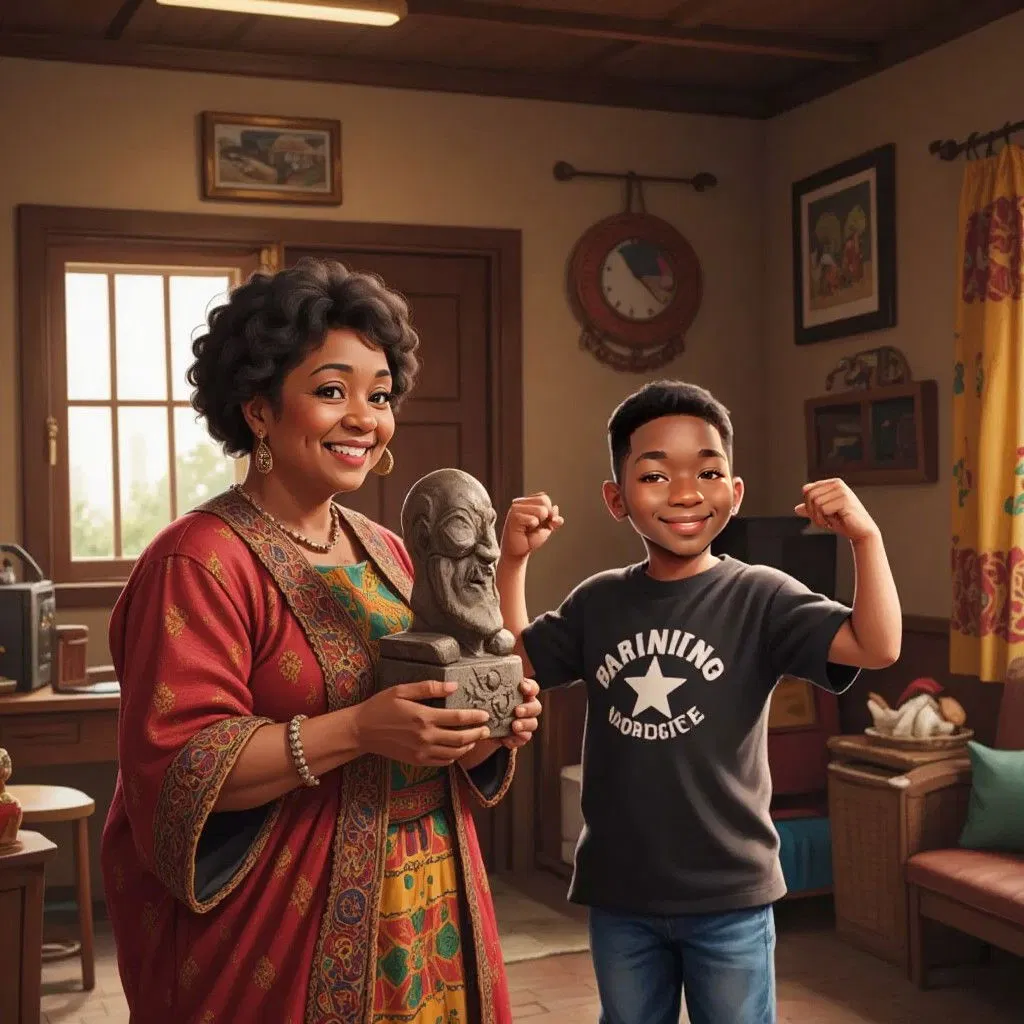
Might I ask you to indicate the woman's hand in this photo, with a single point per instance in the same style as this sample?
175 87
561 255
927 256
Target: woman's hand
394 724
525 723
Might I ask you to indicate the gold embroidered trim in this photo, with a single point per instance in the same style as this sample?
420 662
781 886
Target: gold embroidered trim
190 789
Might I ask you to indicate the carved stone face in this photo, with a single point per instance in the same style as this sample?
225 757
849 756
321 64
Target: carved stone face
448 522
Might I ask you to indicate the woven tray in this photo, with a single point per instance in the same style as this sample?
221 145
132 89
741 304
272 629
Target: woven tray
953 742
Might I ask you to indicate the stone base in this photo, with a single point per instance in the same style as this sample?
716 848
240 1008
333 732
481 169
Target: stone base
489 682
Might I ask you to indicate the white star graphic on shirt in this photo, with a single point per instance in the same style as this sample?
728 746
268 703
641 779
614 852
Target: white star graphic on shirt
652 689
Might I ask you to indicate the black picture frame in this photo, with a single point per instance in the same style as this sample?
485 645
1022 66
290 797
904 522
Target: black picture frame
834 259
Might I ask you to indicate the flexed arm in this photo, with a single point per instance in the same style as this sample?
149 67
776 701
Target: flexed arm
529 524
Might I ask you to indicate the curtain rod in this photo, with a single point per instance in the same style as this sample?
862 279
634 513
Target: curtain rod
950 149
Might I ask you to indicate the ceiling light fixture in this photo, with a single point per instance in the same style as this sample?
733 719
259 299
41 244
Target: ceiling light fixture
352 12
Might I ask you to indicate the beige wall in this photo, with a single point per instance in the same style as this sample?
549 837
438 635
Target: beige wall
125 138
973 84
113 137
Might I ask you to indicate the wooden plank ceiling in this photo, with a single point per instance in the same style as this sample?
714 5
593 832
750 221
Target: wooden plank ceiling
746 58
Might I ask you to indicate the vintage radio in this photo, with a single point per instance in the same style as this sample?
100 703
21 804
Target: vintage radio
28 618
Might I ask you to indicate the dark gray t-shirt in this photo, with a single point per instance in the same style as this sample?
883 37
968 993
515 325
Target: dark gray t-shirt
676 785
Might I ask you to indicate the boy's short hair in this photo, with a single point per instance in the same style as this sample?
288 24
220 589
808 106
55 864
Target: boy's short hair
664 398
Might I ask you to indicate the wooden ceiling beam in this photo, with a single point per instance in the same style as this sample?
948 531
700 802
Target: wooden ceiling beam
689 14
570 87
954 20
608 55
120 21
646 30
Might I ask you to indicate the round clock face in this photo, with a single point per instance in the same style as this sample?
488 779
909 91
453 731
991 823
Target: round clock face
637 280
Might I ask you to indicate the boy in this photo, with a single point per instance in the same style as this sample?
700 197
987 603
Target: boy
678 859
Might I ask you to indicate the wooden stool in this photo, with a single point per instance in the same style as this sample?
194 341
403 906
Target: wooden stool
42 805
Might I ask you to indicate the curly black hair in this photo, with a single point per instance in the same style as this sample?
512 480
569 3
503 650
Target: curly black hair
660 398
273 321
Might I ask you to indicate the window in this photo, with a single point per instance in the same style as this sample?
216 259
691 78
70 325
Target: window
136 455
112 450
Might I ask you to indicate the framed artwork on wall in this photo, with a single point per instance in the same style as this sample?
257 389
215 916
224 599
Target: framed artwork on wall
792 705
252 158
844 248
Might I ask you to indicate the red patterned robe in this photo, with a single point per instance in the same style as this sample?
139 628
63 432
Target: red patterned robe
270 914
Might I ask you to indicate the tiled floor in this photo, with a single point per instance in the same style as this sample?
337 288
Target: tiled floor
821 981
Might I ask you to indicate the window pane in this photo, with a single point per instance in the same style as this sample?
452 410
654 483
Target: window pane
91 479
87 332
141 346
142 465
191 299
201 468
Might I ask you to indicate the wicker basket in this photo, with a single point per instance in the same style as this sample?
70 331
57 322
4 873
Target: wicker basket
885 805
954 741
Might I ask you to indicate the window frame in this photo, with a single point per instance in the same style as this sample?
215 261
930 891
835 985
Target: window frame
155 263
48 241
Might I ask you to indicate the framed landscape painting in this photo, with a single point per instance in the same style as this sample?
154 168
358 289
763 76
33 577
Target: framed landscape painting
844 248
253 158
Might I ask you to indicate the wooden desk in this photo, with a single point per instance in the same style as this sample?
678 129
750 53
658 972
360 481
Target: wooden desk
44 728
21 937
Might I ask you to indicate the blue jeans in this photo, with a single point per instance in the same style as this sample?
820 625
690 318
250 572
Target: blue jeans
724 963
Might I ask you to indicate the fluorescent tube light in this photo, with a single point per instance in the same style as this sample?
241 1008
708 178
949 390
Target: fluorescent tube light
352 12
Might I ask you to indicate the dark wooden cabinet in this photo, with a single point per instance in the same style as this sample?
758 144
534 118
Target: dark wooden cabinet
21 936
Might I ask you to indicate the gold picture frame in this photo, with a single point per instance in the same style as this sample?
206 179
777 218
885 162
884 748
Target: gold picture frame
792 705
258 158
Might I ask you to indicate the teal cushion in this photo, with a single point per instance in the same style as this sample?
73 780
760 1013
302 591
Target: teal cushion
995 815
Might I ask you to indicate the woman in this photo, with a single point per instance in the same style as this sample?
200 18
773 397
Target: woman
286 844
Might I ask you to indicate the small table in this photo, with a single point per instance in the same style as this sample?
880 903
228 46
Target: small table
21 937
885 805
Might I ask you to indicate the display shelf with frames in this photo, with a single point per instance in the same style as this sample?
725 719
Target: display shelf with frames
884 435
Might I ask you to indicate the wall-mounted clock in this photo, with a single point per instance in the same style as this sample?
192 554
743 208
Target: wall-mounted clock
635 285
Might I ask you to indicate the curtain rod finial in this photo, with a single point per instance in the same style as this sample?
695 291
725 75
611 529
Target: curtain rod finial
944 149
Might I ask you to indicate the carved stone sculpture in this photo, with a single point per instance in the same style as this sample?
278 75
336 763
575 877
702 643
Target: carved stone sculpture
456 632
10 809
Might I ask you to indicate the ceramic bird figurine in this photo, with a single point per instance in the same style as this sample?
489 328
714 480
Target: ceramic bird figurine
921 712
10 809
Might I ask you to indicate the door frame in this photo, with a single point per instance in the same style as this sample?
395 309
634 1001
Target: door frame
41 228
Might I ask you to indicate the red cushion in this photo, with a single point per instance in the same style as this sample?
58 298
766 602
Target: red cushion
984 879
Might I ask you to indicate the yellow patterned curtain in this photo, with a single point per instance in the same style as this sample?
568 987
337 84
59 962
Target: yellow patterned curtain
987 623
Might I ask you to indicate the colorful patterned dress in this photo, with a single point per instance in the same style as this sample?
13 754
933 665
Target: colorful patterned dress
334 904
420 977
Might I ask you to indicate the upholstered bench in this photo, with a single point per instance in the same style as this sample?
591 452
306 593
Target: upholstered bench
977 891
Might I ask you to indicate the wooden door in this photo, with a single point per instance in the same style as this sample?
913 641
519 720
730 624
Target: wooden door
446 420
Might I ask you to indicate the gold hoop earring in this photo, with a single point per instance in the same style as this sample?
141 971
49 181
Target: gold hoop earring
385 463
263 457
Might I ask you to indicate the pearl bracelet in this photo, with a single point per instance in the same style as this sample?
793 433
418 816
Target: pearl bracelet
298 754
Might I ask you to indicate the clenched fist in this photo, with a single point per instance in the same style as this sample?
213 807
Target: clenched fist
528 525
831 505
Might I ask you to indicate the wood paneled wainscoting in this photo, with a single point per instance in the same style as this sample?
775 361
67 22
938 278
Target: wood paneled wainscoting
925 653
